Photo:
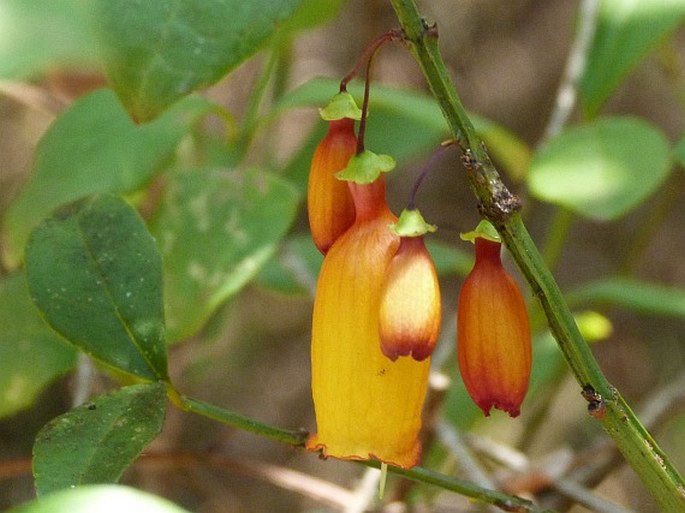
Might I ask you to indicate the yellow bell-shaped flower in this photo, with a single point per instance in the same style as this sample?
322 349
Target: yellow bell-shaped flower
410 301
367 406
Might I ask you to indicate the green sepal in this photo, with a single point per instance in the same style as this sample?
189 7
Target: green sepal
484 230
411 224
342 105
366 167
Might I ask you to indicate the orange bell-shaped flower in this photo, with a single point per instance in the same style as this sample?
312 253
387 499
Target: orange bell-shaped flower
493 333
367 406
410 300
329 203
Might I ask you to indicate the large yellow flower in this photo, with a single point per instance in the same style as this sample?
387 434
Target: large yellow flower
367 406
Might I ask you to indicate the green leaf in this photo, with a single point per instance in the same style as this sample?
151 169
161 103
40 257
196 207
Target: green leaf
31 354
294 269
96 274
39 36
312 13
94 147
97 441
638 296
216 229
627 30
601 170
103 498
157 52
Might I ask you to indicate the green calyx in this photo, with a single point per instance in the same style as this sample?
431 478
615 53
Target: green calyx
342 105
366 167
411 224
484 230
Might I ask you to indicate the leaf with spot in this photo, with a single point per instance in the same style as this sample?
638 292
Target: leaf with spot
216 229
94 147
95 273
97 441
157 52
31 354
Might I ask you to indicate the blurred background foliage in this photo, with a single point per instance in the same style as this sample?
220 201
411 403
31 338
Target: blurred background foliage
220 178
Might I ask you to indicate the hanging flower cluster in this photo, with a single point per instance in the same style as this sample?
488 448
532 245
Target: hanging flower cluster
377 309
368 398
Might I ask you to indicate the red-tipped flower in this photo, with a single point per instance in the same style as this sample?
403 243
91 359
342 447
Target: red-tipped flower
493 332
329 203
410 299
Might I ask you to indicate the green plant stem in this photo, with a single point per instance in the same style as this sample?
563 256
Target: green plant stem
255 100
557 235
500 207
296 438
467 489
650 223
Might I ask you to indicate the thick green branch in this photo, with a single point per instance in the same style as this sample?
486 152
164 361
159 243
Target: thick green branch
499 206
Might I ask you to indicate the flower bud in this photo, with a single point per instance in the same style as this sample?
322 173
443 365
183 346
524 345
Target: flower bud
410 299
329 203
493 333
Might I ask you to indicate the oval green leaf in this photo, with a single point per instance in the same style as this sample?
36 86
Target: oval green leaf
97 441
95 273
601 170
94 147
627 30
31 354
157 52
101 498
216 229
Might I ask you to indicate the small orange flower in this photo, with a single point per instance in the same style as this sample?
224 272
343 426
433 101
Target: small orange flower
329 203
410 301
367 406
493 333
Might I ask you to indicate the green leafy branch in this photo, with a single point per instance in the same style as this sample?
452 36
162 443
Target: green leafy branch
96 260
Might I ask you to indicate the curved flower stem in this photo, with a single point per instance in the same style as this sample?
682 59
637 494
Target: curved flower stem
298 438
500 207
465 488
